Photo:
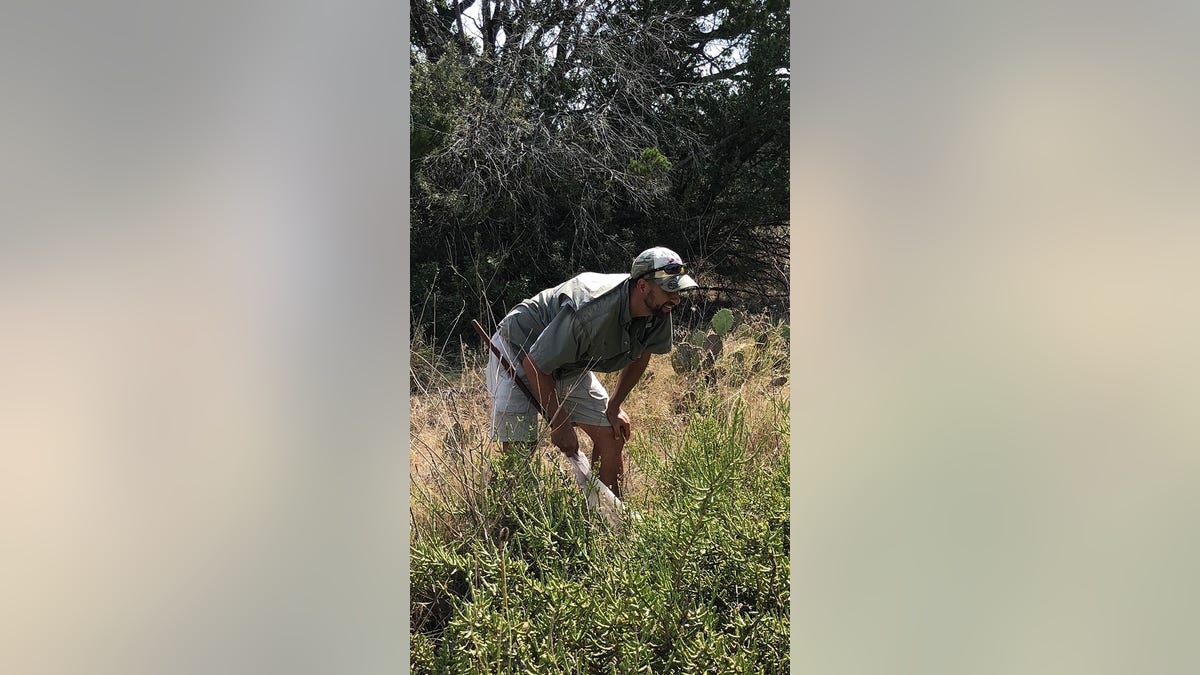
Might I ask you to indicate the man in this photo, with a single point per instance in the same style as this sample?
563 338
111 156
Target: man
557 338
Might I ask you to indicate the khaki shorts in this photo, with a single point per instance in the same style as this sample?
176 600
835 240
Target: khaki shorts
513 416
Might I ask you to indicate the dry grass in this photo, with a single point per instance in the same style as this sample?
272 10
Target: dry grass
449 412
511 572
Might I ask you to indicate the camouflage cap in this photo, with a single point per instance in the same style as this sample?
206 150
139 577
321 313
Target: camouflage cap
664 267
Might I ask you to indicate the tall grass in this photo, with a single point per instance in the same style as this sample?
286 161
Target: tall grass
511 573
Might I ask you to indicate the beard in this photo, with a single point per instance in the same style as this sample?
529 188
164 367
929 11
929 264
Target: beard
662 309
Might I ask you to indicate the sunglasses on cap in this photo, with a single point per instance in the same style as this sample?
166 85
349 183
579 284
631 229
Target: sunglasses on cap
671 270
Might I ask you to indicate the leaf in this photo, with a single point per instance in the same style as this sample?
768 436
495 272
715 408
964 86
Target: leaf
722 322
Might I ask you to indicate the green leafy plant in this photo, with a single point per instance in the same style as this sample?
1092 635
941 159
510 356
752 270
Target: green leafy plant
722 321
651 163
512 573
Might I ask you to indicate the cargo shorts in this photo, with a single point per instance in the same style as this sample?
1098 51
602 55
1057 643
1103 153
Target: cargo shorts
514 418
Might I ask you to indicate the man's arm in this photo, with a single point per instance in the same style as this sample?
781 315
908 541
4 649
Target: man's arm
629 376
542 384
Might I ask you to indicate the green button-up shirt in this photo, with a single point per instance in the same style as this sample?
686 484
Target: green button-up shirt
584 324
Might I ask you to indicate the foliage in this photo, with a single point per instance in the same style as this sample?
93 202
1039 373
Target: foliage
722 321
700 584
650 163
511 573
553 138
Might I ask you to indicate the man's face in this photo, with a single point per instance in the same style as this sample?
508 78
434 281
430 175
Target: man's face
659 301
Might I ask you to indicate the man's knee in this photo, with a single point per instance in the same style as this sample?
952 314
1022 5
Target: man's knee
606 441
510 427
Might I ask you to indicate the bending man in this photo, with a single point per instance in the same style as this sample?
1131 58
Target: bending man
560 337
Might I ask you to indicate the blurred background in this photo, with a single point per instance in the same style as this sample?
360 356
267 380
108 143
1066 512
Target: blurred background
203 338
202 330
995 330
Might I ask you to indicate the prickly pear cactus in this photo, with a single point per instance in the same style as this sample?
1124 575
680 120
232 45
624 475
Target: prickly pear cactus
722 322
713 345
685 358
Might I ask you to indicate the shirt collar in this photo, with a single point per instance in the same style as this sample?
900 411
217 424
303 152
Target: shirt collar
625 317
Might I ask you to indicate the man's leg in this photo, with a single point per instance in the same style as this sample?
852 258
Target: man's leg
513 419
588 400
516 432
524 447
610 451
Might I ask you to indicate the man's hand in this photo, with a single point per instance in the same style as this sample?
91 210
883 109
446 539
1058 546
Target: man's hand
629 376
565 439
621 426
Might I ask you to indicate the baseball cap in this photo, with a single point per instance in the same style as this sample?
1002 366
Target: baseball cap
664 267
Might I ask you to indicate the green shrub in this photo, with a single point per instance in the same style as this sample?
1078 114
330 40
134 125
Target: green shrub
512 573
700 584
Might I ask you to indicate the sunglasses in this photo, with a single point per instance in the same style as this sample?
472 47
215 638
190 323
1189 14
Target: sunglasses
671 270
674 269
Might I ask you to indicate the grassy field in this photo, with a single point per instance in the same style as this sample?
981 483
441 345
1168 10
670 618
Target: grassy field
512 573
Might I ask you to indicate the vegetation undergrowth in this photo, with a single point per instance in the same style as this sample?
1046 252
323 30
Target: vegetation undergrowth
512 573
